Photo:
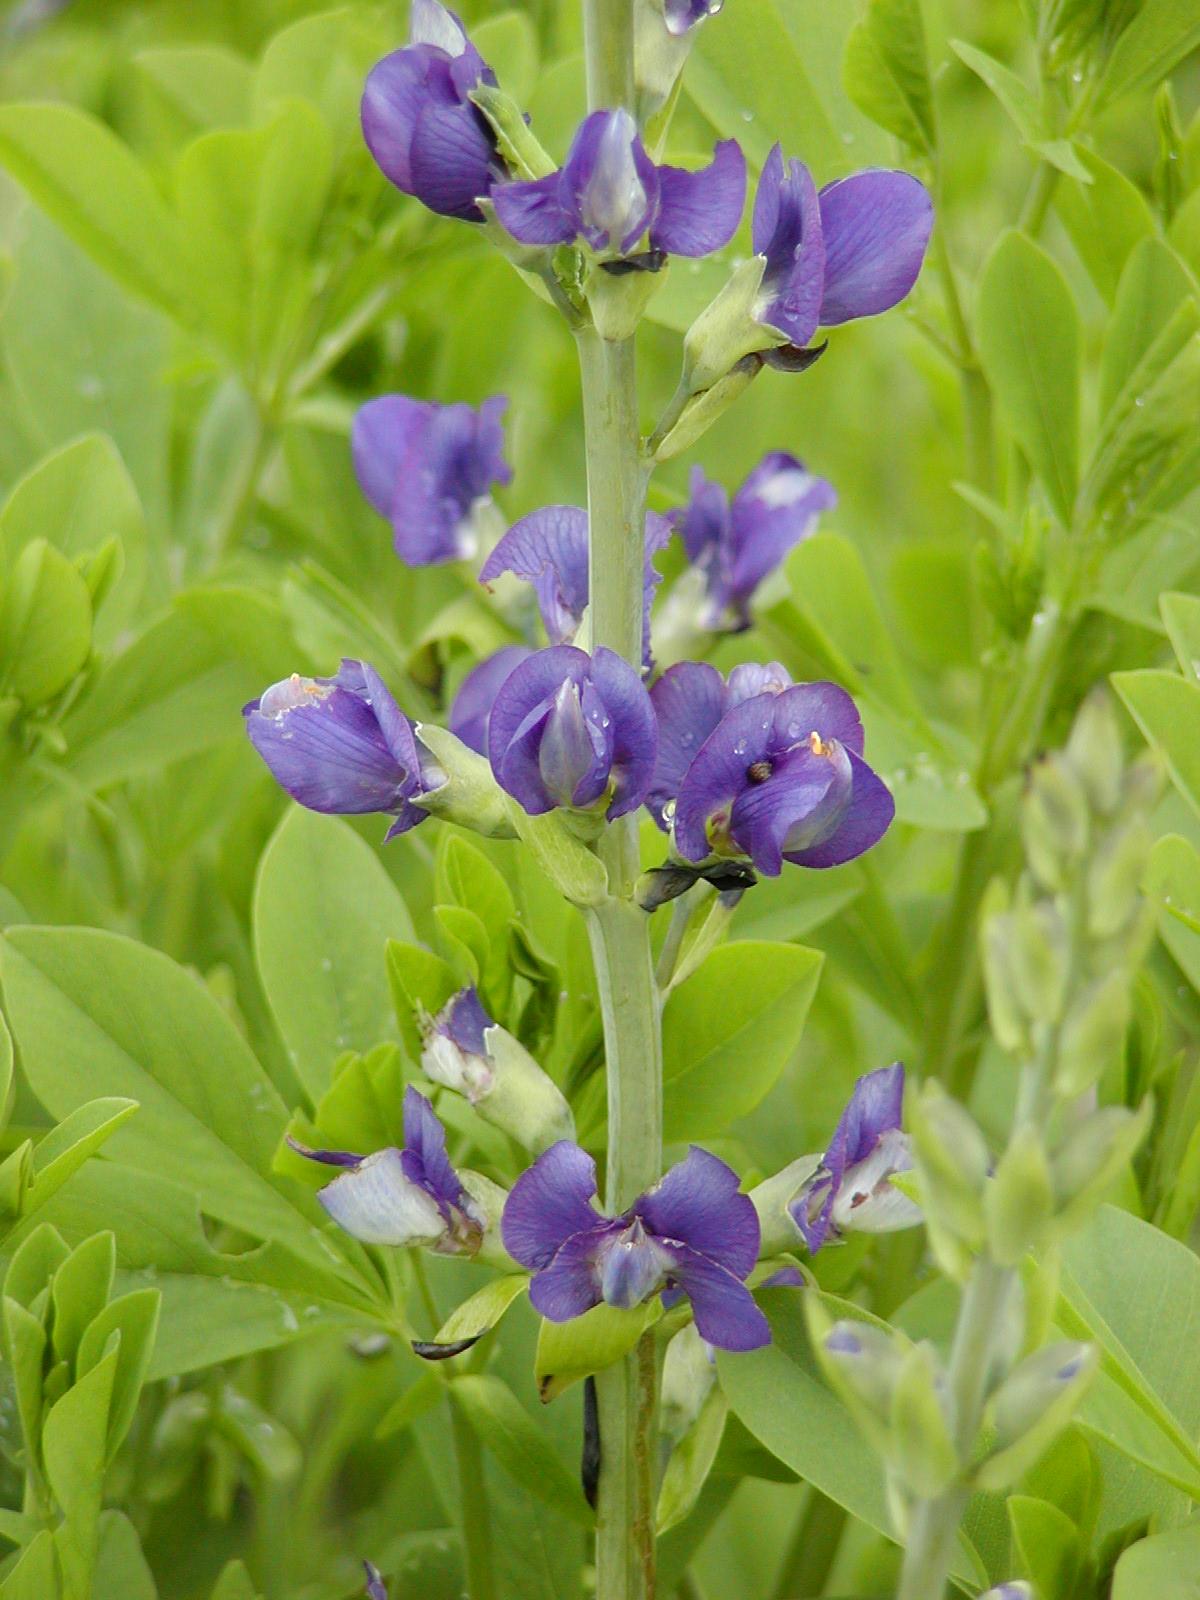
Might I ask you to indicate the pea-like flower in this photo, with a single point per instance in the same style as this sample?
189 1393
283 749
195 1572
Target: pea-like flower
567 729
736 544
411 1196
471 709
781 778
419 122
852 1189
689 701
683 15
430 470
692 1234
853 250
611 194
549 549
342 745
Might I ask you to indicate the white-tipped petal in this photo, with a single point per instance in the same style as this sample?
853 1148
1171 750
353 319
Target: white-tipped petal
376 1203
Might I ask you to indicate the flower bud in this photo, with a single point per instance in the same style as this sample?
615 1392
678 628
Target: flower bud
1039 954
1054 822
1018 1589
689 1374
464 1050
1033 1405
923 1455
952 1160
1093 1035
1007 1016
1090 1158
1114 877
864 1363
1020 1198
1094 751
376 1588
772 1198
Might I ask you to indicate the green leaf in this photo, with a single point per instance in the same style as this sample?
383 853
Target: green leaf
569 1351
73 1444
1105 220
1181 618
1047 1542
46 625
72 1142
1161 34
324 910
1018 99
134 1317
729 1031
464 876
97 191
691 1461
88 1007
749 79
1153 285
501 1422
1029 342
24 1353
78 498
80 1291
483 1310
417 978
886 71
121 1567
235 1584
324 60
192 88
1166 708
1164 1567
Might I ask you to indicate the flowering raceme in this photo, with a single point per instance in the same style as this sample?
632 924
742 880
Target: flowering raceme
567 729
735 544
549 549
411 1196
419 122
852 1189
429 470
611 194
342 745
763 768
692 1234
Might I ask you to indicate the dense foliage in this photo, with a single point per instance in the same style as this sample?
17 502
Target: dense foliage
972 1337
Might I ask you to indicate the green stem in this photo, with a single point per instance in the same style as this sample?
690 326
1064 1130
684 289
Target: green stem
933 1533
809 1558
476 1521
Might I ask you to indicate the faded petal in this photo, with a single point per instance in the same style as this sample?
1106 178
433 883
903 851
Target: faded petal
377 1203
472 705
699 212
698 1204
549 1204
867 1201
876 226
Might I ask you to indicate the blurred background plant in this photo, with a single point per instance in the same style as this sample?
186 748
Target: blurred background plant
204 275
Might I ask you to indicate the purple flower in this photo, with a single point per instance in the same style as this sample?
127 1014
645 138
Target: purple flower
852 1188
737 545
428 469
418 120
472 705
454 1052
403 1197
780 778
549 549
567 728
692 1234
611 193
683 15
689 701
376 1588
343 745
853 250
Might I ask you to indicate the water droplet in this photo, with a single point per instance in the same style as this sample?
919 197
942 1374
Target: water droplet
1140 401
90 387
747 116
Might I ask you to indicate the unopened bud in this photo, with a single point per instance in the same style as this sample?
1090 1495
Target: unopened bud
1018 1589
1020 1198
1040 958
1090 1159
470 795
863 1362
1008 1019
689 1373
1115 875
1033 1405
1093 1035
923 1453
952 1162
771 1199
489 1200
1054 822
1094 751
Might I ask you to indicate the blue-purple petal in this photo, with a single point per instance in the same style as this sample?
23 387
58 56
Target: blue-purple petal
689 701
452 161
464 1021
425 1144
381 436
569 1284
787 230
867 816
802 799
876 226
472 707
698 1203
634 730
549 1204
609 183
533 211
699 212
724 1309
549 549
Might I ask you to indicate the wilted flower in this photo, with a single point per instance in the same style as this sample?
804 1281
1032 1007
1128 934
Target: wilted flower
429 470
403 1197
692 1234
779 778
568 728
472 707
419 122
549 549
610 193
343 745
853 250
735 545
465 1050
852 1188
